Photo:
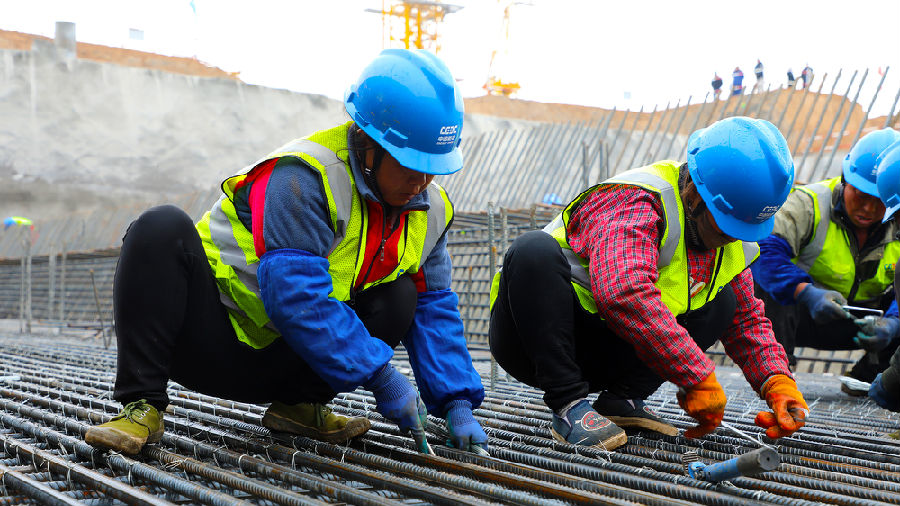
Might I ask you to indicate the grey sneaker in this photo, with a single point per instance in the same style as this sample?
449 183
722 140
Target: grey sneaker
632 413
584 426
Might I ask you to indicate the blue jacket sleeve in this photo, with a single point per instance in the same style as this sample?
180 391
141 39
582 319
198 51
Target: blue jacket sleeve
892 311
438 354
775 272
294 287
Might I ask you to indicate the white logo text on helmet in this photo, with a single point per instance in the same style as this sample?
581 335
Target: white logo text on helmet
448 134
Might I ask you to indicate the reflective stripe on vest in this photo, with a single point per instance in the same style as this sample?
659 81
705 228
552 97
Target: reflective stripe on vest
661 179
232 255
828 259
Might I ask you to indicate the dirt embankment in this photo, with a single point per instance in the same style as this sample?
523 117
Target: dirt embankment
797 112
128 57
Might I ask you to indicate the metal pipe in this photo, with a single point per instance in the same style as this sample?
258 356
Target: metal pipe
628 139
677 131
865 118
843 128
812 136
641 139
815 165
649 151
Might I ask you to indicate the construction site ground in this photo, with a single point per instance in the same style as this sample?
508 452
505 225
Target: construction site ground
216 452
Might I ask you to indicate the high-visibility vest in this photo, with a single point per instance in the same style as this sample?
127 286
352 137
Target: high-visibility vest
232 256
828 259
660 178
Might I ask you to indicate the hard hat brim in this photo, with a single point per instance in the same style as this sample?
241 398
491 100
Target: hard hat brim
860 183
439 164
734 227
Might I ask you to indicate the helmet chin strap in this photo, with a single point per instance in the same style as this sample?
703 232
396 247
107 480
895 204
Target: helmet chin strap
369 173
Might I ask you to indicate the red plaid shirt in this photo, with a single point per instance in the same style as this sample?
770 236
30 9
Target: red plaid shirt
619 229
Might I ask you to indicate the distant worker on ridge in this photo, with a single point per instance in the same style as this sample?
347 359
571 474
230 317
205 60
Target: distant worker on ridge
737 81
807 76
791 80
760 84
717 86
640 274
830 246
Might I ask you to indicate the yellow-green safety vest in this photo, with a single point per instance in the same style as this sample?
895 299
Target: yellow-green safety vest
232 256
660 178
828 259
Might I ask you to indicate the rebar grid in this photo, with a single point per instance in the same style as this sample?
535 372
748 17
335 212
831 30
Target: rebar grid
216 452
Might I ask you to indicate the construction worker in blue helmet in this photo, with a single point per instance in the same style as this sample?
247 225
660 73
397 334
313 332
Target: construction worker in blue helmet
640 274
314 264
885 388
830 248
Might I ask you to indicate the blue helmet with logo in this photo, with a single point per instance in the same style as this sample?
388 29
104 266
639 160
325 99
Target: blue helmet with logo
887 174
408 102
743 170
859 164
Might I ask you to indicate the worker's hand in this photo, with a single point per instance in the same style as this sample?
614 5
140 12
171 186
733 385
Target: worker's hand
705 402
876 333
882 397
465 431
398 401
823 305
789 410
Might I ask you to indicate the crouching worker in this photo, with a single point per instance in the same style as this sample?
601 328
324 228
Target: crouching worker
316 263
885 389
830 246
640 274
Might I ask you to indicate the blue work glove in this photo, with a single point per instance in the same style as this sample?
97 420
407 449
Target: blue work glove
876 333
882 397
823 305
399 402
465 431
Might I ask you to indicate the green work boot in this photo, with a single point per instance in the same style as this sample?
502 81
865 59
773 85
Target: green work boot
894 435
137 424
315 421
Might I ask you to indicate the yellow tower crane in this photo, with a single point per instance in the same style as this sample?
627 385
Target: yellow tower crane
495 85
414 24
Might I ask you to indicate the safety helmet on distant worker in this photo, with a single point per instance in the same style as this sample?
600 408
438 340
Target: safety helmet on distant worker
859 164
887 167
743 170
408 102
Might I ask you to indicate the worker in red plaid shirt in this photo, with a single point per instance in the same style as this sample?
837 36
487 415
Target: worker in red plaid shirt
640 274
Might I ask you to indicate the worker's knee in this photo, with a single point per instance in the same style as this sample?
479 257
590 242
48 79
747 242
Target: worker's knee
159 225
533 251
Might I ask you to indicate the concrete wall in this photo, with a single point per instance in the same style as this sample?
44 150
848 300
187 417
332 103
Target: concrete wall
78 136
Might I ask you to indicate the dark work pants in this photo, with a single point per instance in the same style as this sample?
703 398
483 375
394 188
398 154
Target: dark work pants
171 324
541 335
794 327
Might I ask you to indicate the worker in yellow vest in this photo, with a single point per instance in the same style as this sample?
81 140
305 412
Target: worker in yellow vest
640 274
885 389
829 248
316 262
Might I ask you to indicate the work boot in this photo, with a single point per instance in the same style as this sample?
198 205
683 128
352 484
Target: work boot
632 413
584 426
894 435
137 424
316 421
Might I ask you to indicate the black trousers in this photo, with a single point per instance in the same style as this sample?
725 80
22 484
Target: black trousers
170 324
793 327
541 335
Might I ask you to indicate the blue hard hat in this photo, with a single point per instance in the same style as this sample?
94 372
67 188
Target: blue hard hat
408 102
887 173
859 164
743 170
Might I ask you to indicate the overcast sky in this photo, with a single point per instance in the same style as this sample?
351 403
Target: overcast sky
595 53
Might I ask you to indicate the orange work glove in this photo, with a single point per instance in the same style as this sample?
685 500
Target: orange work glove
789 408
705 402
